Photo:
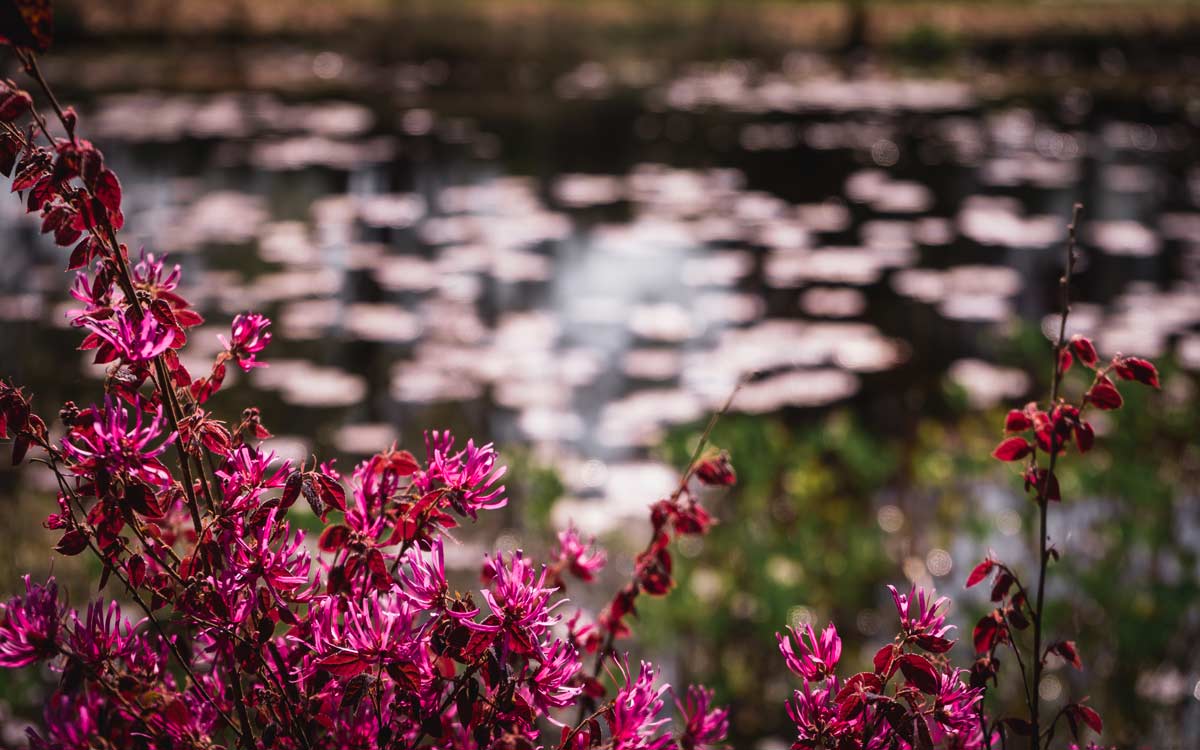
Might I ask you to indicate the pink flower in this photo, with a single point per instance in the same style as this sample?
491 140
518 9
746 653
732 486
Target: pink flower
919 613
705 727
551 684
467 478
116 444
519 601
99 637
284 570
29 625
633 721
814 712
123 334
423 584
956 709
349 637
72 722
150 274
247 474
249 336
583 560
817 658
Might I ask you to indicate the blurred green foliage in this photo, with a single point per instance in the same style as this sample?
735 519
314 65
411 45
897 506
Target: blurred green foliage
801 538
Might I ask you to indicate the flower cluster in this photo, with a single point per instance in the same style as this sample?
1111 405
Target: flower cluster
912 698
252 636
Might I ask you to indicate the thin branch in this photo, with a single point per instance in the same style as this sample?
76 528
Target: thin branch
1043 501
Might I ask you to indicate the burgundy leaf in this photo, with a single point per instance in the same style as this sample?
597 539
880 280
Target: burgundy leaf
1017 421
1084 350
980 572
334 537
72 543
1104 395
1136 368
918 671
1013 449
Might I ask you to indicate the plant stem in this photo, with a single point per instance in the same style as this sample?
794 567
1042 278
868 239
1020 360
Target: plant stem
239 703
1044 502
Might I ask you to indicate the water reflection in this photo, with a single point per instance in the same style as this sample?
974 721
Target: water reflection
587 256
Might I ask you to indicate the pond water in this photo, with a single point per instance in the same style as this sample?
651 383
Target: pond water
579 255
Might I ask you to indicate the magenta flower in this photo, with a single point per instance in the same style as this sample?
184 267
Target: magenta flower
956 709
95 295
704 727
349 637
115 444
122 334
424 585
633 721
99 637
72 722
519 601
813 658
150 274
283 570
583 560
551 685
814 712
247 474
29 625
248 337
467 477
919 613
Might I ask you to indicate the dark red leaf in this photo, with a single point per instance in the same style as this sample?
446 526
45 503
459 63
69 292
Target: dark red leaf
1084 350
13 104
1002 585
918 671
332 492
291 491
861 682
1104 395
20 448
72 543
344 666
1089 716
1136 368
1068 651
10 146
1017 421
1064 361
334 537
1013 449
986 632
980 572
1085 437
135 567
934 644
108 191
885 661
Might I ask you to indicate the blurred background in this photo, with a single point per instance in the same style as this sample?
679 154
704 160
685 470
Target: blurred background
570 227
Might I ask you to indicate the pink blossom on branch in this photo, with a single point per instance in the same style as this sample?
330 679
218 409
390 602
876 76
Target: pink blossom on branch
704 725
30 625
812 657
120 441
248 336
582 559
